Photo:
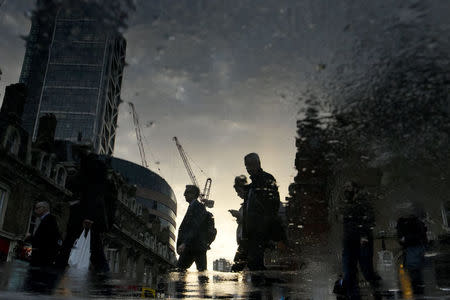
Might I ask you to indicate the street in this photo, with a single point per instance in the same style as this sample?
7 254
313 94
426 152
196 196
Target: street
313 281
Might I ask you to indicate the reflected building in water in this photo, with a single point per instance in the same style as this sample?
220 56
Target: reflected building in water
73 68
154 198
29 172
72 73
222 265
141 242
138 204
307 207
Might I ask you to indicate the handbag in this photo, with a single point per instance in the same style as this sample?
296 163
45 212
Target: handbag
81 252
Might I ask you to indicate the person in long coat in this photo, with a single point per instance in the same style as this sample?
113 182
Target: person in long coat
45 239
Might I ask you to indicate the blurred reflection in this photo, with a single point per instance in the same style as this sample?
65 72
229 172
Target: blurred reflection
361 86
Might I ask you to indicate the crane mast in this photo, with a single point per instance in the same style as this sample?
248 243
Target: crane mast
207 189
137 129
204 196
186 162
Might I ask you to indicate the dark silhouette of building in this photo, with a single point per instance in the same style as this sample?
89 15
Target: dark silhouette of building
28 174
135 243
307 208
73 68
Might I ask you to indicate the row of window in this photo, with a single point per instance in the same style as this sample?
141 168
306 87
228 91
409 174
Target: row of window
167 224
39 160
136 205
113 258
79 30
143 177
70 100
73 76
158 206
77 53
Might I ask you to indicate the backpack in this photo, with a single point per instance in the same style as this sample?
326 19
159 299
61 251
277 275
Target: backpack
412 230
340 290
211 231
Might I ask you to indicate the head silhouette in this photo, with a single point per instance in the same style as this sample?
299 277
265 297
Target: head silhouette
191 193
252 163
241 186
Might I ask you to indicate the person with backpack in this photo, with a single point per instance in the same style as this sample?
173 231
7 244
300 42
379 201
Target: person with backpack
412 236
196 232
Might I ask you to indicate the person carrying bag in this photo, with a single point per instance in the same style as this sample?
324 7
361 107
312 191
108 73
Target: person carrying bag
81 252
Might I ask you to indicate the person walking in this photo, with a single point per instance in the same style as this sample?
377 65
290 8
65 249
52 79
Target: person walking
45 239
240 259
358 223
89 211
196 232
412 236
263 203
43 276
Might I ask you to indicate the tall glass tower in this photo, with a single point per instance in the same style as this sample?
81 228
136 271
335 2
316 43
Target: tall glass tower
73 68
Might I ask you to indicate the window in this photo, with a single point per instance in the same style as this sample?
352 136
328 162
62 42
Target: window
446 214
45 166
113 256
12 141
61 176
3 203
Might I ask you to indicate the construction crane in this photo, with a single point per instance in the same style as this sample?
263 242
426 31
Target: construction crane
204 196
137 129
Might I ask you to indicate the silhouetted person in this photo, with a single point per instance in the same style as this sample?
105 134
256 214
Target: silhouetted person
359 221
242 188
194 232
412 235
88 211
45 239
262 207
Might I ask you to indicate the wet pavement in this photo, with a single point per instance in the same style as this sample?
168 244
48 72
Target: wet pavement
192 285
314 281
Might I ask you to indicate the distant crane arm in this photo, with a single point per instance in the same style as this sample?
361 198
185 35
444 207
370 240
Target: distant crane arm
186 162
137 129
204 196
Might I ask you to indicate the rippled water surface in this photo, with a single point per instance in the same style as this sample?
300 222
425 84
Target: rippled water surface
324 90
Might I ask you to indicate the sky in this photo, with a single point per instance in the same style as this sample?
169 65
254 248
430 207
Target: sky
229 78
193 84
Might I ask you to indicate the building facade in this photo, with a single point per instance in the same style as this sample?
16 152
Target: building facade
28 174
222 265
154 197
136 248
136 245
73 68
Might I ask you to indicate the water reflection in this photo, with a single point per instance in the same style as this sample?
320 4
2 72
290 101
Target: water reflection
195 285
314 281
373 82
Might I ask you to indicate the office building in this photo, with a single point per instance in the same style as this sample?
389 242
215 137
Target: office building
154 197
222 265
73 68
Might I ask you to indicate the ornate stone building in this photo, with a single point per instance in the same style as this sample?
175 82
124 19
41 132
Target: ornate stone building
137 246
28 174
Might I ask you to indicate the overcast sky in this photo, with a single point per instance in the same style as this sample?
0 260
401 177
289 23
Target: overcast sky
228 78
